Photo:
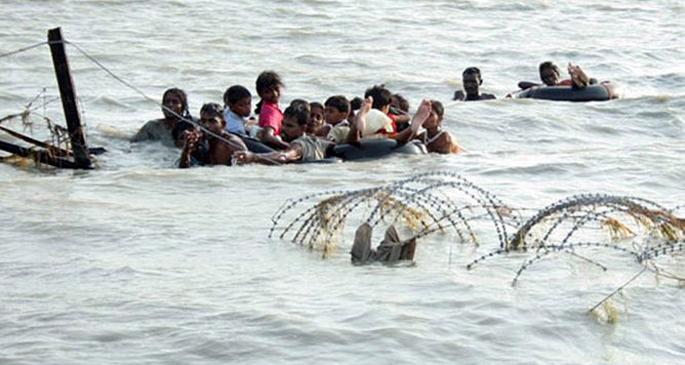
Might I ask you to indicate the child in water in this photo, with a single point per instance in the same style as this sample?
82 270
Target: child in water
269 87
316 125
237 105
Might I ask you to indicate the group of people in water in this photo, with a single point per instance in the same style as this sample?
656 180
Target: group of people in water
550 75
309 131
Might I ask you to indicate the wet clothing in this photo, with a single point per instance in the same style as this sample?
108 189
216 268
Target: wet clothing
156 130
339 132
234 123
313 148
391 250
271 116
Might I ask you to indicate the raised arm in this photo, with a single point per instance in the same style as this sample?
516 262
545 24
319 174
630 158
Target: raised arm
422 113
357 127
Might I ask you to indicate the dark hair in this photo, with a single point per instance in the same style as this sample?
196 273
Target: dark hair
300 111
339 102
356 103
182 124
316 104
213 109
265 81
402 103
301 103
472 70
381 96
438 108
236 93
549 64
182 96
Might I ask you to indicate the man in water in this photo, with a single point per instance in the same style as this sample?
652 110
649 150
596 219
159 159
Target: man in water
213 147
471 81
551 76
302 147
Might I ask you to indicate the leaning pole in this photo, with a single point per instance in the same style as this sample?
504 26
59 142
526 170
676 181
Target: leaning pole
67 93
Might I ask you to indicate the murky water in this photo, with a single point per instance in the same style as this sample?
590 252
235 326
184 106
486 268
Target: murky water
137 262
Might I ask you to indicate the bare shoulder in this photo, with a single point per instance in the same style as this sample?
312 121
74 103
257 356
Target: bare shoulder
444 144
459 95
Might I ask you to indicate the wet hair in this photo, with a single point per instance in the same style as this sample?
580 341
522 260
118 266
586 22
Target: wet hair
402 102
473 71
236 93
181 125
299 111
213 109
265 81
356 103
301 102
182 96
381 96
437 107
549 64
316 104
339 102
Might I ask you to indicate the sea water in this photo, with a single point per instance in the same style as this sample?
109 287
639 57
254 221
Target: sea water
138 262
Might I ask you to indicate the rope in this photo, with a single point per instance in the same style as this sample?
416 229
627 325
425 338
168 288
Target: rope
23 49
140 92
128 85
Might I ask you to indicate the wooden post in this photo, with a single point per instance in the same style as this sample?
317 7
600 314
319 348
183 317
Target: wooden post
68 94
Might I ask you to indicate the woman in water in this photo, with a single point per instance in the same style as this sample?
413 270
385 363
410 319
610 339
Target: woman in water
169 129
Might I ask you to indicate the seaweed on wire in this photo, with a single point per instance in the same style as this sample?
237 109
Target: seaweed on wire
580 210
420 203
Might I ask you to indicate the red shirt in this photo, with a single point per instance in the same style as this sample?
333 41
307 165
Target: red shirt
271 116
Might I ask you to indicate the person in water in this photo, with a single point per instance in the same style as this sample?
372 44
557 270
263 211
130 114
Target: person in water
399 107
169 129
269 87
302 147
336 111
471 82
359 126
382 98
355 104
214 146
551 76
237 105
317 125
434 137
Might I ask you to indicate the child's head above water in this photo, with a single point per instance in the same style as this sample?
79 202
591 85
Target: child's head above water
400 102
239 100
269 86
337 108
381 97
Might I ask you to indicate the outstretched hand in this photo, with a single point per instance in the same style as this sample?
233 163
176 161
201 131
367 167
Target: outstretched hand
243 157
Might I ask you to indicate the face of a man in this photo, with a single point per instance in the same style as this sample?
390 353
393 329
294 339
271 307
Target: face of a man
549 76
291 130
471 84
